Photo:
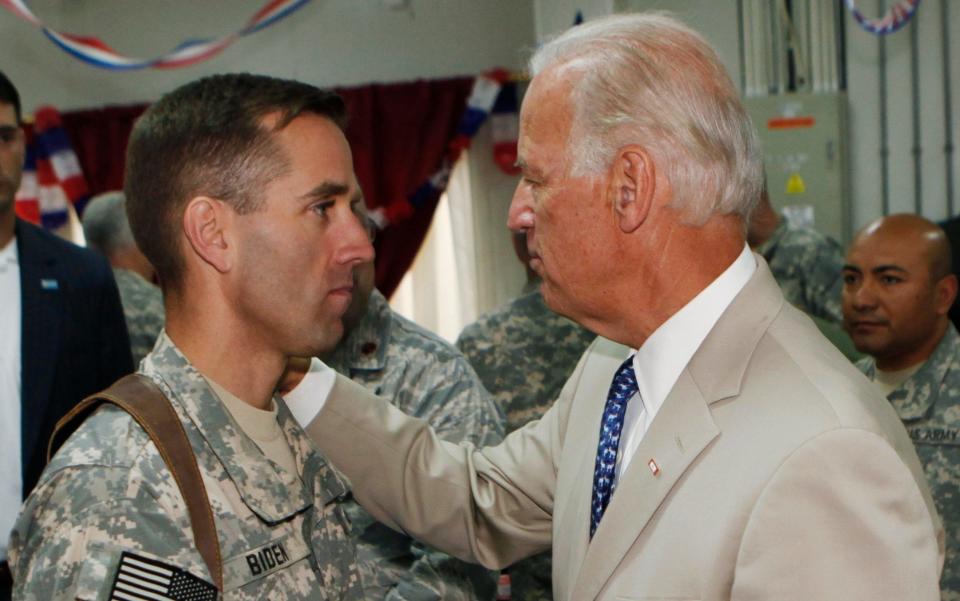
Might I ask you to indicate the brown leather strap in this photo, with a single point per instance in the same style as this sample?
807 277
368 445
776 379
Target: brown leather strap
140 397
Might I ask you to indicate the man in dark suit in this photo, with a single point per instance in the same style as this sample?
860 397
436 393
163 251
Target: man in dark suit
62 333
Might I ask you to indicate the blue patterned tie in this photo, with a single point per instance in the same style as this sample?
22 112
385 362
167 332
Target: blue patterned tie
623 387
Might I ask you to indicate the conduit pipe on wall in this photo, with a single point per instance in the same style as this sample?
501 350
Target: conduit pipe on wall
917 149
947 102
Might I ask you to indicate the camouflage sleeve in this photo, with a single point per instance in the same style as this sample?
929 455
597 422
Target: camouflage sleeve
435 576
825 282
72 530
458 407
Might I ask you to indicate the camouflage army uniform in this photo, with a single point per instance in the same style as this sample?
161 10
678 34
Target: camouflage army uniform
425 377
929 405
142 309
524 353
808 266
107 491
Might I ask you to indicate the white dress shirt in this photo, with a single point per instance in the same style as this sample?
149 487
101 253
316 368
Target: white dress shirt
11 468
664 355
658 363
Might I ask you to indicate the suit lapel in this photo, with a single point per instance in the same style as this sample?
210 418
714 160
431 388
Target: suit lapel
681 430
41 300
576 468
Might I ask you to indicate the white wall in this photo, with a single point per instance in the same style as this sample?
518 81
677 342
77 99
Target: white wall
555 16
716 20
864 67
327 42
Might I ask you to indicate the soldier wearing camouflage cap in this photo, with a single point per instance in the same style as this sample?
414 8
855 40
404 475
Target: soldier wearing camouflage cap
423 376
897 293
238 186
107 230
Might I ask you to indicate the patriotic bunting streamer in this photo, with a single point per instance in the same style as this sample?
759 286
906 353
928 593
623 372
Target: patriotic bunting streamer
52 178
95 52
505 128
486 89
898 16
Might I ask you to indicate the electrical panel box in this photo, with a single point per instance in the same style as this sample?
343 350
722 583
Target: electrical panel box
804 138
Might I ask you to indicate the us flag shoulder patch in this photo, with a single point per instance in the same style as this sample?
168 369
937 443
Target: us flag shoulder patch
144 579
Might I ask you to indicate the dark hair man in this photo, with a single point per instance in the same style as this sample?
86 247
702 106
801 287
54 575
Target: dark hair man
711 444
62 334
241 192
897 293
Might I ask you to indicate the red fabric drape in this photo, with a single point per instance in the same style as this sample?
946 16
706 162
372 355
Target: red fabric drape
99 138
398 133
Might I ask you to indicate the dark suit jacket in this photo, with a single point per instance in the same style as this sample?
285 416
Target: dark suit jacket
73 337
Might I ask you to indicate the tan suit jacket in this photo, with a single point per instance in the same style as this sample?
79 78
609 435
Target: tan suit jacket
782 475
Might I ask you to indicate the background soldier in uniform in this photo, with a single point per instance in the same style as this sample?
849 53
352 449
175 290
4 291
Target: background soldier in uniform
107 230
238 186
805 263
898 289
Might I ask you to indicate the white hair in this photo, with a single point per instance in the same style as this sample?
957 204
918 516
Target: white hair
648 79
105 224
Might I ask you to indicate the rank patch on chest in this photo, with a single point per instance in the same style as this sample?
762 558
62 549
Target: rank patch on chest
144 578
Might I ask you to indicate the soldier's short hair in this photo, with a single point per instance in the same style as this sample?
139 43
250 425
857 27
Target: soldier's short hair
105 225
208 138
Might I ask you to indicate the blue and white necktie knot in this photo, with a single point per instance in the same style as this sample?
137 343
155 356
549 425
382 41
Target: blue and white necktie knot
623 387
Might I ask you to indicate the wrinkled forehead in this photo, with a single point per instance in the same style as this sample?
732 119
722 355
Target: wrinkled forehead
546 115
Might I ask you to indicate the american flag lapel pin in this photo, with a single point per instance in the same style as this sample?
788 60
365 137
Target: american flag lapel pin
654 468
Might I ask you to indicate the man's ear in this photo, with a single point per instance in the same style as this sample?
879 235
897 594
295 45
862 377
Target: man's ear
206 223
633 186
946 293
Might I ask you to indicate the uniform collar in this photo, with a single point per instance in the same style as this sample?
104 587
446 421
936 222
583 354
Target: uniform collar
268 490
365 347
914 398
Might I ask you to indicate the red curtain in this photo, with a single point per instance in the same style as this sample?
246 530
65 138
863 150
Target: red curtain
99 138
398 133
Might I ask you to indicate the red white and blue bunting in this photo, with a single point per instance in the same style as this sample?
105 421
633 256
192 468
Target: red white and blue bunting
52 179
897 16
95 52
483 96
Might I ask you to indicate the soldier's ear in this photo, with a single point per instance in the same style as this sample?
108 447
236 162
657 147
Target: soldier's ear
206 223
946 293
632 188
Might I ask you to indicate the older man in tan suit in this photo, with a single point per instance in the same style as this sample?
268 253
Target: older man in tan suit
736 454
